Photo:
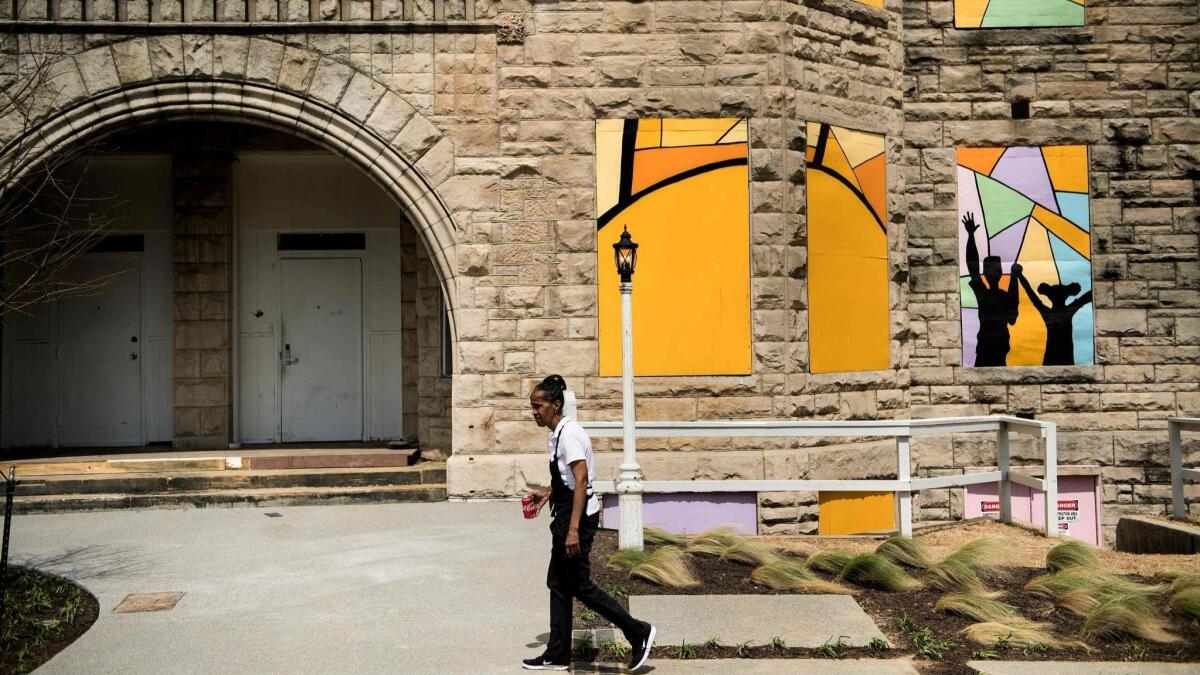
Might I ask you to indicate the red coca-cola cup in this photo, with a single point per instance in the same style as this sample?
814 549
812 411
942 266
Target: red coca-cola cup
529 506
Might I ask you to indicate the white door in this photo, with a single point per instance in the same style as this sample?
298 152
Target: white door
99 371
321 355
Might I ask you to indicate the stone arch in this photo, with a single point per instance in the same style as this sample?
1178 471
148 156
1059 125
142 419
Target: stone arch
113 87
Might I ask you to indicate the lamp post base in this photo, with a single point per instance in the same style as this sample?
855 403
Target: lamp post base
630 534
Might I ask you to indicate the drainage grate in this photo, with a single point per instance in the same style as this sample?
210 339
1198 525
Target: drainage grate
147 602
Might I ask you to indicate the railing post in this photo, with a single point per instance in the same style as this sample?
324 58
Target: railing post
1002 457
570 405
1050 478
903 472
1179 507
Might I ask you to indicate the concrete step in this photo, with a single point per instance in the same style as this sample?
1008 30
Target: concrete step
169 482
297 496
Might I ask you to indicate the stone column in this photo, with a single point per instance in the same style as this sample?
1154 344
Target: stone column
203 272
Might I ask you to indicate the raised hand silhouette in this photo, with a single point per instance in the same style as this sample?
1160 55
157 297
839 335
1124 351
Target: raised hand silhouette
1059 317
997 306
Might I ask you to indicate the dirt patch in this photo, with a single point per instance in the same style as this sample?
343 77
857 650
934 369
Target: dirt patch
43 614
908 618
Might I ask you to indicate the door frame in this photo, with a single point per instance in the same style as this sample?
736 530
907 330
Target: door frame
363 333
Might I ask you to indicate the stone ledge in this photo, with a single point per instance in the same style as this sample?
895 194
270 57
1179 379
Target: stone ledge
245 27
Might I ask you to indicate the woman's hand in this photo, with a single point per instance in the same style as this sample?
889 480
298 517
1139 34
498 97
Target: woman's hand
572 542
541 497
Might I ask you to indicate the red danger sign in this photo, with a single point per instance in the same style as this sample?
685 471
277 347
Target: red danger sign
989 507
1068 505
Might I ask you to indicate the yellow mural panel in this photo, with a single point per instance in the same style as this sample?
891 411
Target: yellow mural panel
855 512
848 304
689 212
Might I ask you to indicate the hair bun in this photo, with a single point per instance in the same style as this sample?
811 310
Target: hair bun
556 381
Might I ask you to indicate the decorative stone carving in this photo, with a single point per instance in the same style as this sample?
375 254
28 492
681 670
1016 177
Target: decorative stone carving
510 28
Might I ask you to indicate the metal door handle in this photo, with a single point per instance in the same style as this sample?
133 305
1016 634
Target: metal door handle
286 357
133 356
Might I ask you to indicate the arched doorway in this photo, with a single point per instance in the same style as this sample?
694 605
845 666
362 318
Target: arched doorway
393 164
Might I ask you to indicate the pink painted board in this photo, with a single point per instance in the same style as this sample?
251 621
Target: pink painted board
1079 503
691 512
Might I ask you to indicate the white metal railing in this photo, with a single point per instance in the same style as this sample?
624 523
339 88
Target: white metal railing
902 430
1175 428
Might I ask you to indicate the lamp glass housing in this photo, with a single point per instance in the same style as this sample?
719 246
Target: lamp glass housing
625 255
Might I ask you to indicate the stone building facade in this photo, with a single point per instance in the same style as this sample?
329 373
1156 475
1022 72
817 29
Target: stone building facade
479 121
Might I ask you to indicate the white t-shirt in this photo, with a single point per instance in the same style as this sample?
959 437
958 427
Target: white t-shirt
574 445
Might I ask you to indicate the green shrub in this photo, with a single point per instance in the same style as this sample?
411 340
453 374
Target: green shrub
786 574
1071 554
872 569
905 551
931 646
831 561
1055 584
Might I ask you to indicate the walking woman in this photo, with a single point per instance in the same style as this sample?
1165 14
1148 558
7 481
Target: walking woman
576 515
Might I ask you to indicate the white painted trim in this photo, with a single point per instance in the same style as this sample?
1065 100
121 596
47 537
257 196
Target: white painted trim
958 480
673 486
1027 481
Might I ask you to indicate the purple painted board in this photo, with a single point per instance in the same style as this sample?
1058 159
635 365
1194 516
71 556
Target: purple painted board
1024 170
691 512
1007 243
1078 505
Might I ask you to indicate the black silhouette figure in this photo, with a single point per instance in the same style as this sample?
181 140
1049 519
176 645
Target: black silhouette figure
997 307
1060 348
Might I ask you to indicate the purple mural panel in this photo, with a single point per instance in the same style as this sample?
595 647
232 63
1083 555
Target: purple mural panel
1024 169
691 512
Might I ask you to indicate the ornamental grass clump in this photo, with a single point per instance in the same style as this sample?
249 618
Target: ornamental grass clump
753 552
872 569
714 541
905 551
1126 614
660 537
962 570
1185 581
787 574
1055 584
831 561
627 558
1071 554
1186 603
981 609
1082 601
1022 637
667 566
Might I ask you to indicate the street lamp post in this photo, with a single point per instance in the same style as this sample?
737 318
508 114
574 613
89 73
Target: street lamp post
629 483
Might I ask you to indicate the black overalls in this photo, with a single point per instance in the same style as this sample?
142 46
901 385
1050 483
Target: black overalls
570 577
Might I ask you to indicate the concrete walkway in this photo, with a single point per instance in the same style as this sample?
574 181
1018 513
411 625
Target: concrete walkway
1082 668
415 588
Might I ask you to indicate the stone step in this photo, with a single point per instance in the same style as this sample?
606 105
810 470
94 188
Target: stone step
234 460
146 483
298 496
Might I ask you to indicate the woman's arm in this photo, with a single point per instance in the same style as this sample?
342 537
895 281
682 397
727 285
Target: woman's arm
578 505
